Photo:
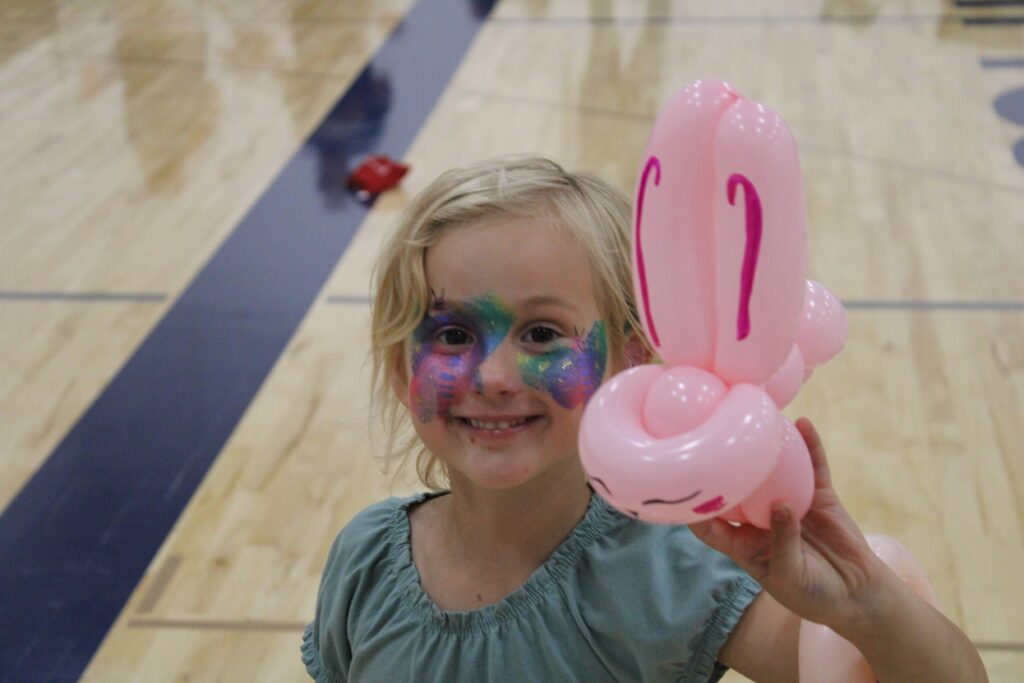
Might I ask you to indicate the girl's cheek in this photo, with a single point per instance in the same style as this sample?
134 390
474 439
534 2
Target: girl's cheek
438 381
569 375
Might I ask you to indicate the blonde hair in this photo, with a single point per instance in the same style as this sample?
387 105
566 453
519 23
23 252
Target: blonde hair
592 211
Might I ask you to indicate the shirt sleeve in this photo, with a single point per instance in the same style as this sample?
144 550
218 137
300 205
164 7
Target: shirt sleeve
659 604
352 563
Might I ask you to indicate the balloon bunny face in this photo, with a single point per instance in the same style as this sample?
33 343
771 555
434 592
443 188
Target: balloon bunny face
719 255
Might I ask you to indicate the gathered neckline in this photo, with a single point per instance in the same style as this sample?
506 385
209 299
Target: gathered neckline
540 583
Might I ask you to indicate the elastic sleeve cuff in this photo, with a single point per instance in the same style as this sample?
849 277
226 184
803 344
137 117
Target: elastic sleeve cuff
705 665
311 658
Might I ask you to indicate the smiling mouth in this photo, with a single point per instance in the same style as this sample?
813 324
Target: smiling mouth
497 425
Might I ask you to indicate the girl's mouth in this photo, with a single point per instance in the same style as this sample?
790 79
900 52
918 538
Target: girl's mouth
495 427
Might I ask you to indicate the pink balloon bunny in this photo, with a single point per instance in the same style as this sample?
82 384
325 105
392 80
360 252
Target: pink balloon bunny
722 296
721 292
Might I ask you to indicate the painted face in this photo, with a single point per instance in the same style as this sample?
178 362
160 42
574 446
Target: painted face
453 339
507 354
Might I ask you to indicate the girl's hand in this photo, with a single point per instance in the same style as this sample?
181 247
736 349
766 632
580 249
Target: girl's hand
820 567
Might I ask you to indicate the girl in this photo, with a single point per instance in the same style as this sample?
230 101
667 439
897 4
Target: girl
502 302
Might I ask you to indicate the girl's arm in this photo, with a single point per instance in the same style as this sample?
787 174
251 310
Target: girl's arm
821 568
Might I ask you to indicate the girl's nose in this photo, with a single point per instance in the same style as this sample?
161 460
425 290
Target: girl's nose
498 374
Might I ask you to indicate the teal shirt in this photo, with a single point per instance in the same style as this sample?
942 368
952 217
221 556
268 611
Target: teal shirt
618 600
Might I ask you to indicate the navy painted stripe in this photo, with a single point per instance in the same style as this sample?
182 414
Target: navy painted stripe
81 296
1002 62
79 535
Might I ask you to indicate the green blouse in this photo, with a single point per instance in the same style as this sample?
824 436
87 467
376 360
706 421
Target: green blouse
618 600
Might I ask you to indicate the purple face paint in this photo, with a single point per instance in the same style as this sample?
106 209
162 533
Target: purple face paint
448 347
570 374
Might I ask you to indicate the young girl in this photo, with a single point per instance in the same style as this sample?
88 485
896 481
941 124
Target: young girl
502 302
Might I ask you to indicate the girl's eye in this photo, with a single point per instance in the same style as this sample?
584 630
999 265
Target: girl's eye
453 336
540 334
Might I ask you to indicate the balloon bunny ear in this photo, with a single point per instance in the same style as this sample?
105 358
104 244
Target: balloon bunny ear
719 235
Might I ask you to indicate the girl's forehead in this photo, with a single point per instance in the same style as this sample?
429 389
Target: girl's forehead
521 262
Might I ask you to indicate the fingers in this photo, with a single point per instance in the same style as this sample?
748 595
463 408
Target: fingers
786 544
745 544
715 533
819 463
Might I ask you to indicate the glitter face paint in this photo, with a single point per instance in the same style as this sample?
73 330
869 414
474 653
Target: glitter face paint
570 374
440 374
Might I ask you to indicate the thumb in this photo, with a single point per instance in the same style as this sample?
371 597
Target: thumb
787 553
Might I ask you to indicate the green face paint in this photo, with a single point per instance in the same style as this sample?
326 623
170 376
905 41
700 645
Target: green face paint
570 374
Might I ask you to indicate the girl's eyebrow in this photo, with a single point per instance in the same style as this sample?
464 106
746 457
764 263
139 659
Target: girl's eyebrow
546 300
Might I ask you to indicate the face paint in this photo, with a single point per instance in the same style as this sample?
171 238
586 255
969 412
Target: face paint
570 374
441 374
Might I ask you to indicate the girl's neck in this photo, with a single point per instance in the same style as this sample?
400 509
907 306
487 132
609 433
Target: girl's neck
522 525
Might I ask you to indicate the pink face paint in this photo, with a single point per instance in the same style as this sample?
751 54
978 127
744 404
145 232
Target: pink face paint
443 372
753 248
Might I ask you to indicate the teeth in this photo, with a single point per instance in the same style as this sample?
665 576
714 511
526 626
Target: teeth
480 424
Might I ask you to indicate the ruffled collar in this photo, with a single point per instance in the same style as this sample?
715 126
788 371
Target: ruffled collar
597 519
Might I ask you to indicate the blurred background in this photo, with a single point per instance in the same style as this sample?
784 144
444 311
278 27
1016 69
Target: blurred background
184 282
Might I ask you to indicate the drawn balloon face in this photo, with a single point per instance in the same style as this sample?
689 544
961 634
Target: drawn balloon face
719 259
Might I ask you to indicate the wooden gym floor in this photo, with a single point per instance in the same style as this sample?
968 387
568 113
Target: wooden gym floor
184 282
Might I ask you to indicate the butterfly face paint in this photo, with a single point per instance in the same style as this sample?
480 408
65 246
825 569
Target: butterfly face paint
444 370
570 374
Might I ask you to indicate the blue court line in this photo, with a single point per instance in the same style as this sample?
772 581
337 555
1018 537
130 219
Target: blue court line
349 299
770 19
878 304
81 296
989 3
936 305
1002 62
994 21
809 147
752 20
77 538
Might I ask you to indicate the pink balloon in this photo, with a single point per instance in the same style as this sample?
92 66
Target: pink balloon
899 559
786 382
760 248
680 399
719 255
826 656
791 482
673 240
679 479
823 329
